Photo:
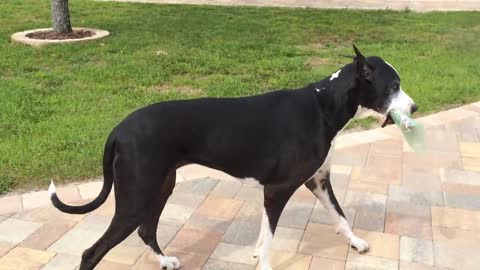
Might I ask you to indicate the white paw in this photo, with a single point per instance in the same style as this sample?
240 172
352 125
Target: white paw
359 244
169 263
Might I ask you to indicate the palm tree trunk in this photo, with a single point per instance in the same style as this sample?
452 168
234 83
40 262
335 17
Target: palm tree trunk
61 16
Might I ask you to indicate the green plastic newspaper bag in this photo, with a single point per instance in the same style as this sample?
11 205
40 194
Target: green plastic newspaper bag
413 132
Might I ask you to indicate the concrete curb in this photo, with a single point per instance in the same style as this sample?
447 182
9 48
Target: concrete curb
21 37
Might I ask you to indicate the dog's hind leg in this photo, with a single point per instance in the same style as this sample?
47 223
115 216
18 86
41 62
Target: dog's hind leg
320 185
120 228
134 192
148 229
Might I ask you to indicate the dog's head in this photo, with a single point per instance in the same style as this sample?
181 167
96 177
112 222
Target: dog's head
380 87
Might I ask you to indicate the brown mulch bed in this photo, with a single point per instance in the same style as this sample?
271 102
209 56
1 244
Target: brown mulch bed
76 34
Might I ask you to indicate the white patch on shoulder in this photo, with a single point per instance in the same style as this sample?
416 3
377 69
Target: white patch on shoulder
335 75
392 67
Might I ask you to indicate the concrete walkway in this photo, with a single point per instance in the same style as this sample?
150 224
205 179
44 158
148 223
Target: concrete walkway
416 211
416 5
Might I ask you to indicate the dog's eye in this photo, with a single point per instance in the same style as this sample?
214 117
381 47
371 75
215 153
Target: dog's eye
395 87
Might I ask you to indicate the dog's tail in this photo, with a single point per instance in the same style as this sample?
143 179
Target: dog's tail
108 158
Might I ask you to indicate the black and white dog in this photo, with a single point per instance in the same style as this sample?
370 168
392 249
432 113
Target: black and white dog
282 139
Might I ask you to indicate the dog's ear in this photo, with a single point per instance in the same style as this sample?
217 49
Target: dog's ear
363 68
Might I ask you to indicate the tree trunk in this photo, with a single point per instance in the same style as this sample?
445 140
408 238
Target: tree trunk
61 16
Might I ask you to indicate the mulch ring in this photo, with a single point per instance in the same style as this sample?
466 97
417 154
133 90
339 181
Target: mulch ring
52 35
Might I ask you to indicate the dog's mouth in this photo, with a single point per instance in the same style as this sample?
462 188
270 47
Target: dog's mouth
388 120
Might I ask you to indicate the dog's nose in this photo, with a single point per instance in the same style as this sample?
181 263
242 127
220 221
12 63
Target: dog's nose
414 108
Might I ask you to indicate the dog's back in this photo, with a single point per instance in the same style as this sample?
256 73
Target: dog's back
225 133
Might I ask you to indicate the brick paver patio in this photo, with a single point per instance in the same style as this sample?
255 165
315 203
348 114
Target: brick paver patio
416 211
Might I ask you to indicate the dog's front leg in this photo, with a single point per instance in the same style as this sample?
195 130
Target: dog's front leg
265 242
320 185
263 227
275 200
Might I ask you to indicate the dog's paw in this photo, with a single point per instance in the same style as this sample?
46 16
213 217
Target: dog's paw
169 263
359 244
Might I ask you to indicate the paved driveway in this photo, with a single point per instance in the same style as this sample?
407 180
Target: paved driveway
416 5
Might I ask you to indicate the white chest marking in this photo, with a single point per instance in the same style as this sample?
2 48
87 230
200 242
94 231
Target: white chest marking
335 75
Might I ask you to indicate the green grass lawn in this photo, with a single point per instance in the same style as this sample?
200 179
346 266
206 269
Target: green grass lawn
58 103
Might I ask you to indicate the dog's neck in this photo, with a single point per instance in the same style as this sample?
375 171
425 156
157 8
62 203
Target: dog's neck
339 97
